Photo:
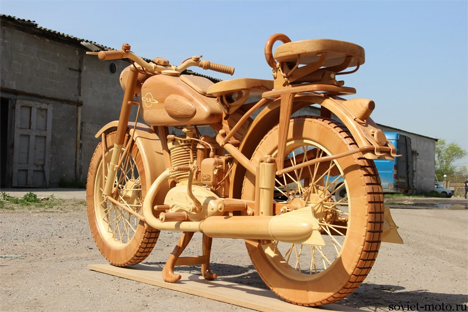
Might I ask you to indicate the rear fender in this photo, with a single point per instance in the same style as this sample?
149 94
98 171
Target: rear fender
151 152
352 113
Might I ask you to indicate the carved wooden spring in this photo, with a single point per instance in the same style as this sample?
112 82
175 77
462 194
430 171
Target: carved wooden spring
182 154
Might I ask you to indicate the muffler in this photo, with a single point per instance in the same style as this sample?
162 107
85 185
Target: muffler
298 226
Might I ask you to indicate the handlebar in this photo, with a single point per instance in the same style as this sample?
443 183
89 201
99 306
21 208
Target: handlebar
194 61
110 55
217 67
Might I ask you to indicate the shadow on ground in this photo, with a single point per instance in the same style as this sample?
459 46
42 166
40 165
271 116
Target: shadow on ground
391 297
373 297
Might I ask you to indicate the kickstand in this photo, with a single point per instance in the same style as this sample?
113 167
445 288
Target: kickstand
205 268
175 259
168 271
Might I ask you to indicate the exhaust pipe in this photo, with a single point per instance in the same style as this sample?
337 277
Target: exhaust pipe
294 227
299 226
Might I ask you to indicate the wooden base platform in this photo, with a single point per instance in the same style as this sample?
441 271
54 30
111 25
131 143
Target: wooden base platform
219 289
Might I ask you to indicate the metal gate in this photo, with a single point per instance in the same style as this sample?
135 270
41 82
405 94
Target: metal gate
31 155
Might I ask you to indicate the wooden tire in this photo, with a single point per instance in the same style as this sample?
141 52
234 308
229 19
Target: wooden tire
121 237
351 228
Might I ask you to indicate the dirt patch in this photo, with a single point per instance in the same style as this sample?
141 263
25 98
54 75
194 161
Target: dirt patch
45 252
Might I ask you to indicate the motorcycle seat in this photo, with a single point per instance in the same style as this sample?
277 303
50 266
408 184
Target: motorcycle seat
255 87
309 51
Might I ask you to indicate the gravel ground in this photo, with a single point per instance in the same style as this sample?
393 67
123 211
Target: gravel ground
44 254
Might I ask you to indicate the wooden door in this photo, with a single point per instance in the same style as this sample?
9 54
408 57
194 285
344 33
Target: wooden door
31 155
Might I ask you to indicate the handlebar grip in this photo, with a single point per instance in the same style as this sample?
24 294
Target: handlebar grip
111 55
217 67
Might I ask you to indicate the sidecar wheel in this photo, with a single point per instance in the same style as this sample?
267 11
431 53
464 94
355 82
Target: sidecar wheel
351 227
121 237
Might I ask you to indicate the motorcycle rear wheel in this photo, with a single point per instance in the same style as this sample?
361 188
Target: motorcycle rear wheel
351 227
121 237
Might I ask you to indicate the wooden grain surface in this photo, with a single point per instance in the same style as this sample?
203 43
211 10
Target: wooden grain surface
219 289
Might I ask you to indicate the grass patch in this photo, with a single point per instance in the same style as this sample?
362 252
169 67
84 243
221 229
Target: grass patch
422 195
398 195
433 194
29 200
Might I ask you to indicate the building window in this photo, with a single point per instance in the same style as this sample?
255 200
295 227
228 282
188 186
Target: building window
112 68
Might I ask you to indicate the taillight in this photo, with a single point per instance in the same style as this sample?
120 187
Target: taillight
395 175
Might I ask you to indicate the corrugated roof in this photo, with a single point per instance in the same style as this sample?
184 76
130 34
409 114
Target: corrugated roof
90 45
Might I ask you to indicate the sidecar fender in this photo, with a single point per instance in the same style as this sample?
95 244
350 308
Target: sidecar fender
151 151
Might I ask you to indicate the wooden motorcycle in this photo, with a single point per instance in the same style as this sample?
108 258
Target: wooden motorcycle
243 167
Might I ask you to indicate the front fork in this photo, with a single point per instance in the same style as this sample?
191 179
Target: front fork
127 103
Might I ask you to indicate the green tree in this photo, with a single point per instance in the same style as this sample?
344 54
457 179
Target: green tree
445 156
461 174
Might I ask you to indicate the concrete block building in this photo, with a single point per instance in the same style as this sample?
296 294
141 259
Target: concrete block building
54 98
423 154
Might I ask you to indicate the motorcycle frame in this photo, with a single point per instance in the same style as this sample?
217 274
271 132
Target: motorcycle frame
280 105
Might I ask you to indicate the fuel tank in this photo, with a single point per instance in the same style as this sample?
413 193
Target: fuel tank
140 79
169 101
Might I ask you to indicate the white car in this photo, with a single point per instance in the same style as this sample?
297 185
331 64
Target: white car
439 188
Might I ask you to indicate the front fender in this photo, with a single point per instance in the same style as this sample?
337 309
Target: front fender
151 151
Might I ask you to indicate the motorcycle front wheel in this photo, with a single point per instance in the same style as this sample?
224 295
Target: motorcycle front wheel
351 227
121 237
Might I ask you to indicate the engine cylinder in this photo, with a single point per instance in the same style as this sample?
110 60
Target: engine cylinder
183 152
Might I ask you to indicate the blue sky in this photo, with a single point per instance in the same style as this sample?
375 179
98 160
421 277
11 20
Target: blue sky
416 66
